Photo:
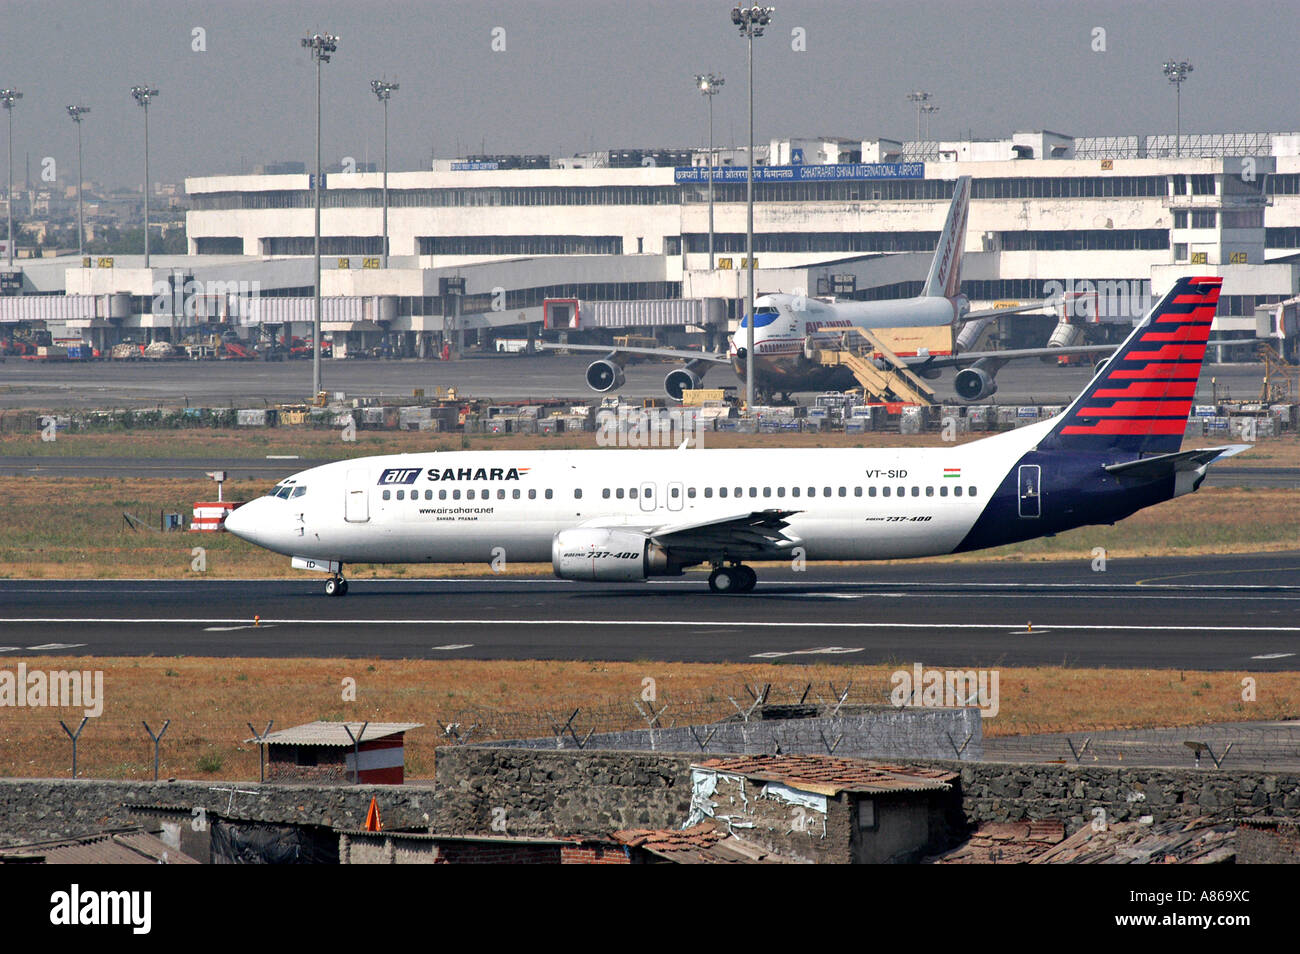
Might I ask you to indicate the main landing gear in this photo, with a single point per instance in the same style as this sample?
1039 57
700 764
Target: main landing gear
736 578
336 585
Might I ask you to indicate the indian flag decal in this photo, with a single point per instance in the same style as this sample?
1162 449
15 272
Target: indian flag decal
952 471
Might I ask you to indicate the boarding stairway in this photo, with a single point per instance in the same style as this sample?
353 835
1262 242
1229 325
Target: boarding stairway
856 349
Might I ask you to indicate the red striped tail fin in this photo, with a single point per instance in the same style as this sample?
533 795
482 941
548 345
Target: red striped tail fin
1140 399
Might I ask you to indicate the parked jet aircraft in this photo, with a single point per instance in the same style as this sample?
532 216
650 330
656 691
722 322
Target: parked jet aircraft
788 328
623 515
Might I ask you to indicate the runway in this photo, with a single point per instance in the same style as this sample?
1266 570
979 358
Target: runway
1217 612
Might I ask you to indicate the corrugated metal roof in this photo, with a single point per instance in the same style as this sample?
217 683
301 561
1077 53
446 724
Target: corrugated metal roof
333 733
828 775
125 847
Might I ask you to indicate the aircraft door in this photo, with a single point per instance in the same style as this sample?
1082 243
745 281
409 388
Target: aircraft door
356 503
647 496
675 495
1031 490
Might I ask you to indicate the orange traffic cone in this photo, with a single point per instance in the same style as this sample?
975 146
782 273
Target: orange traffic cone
372 817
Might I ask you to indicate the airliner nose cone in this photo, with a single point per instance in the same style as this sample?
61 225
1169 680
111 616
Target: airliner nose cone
241 522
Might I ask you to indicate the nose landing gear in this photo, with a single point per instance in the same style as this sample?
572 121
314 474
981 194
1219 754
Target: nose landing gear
736 578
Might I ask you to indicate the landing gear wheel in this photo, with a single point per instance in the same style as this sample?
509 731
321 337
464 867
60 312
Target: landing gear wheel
724 580
747 578
336 586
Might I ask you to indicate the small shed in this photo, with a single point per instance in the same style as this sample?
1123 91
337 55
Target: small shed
370 753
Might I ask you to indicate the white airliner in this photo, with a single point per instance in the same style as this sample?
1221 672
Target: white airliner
624 515
788 328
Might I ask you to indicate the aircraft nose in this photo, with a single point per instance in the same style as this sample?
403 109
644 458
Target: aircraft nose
243 521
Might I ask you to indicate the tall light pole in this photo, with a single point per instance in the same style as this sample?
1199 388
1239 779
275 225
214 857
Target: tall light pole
919 97
709 86
1176 73
321 46
76 112
143 94
751 21
929 109
384 91
8 97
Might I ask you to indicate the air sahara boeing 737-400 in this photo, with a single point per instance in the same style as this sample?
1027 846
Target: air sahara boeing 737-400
623 515
788 328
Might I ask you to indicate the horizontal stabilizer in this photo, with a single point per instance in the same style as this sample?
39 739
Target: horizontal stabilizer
1154 467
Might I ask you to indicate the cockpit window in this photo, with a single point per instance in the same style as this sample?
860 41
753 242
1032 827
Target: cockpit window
763 316
285 491
298 491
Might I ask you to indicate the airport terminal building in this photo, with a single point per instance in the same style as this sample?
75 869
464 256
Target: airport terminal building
618 241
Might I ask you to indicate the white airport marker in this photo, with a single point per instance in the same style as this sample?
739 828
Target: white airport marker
44 647
451 646
10 649
824 651
231 629
1273 656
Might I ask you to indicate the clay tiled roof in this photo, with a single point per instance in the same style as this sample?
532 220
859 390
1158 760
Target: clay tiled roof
1006 842
827 775
700 844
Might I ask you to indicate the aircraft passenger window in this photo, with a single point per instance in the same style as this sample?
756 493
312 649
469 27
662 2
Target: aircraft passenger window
605 493
843 492
857 491
794 491
884 491
387 494
501 495
929 491
428 495
690 492
401 495
442 494
649 492
577 494
780 491
767 491
970 491
740 492
708 492
515 493
956 491
548 493
632 493
826 491
455 495
753 491
469 494
674 492
916 491
812 491
619 493
871 491
532 493
943 490
902 491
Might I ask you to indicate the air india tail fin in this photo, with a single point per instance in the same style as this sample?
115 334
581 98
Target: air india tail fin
944 280
1139 401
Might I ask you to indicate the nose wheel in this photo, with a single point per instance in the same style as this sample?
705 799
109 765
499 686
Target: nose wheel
336 586
732 579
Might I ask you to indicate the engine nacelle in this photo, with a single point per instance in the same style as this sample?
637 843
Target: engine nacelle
972 384
607 556
604 375
679 380
1065 335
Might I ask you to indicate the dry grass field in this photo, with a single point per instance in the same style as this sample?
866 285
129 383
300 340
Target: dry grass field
210 702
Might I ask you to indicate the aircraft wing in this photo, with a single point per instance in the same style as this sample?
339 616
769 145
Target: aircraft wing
752 534
677 353
992 360
1019 309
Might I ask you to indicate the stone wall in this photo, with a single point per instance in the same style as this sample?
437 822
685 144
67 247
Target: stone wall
42 809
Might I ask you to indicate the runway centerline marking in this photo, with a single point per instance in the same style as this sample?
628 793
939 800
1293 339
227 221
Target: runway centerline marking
658 623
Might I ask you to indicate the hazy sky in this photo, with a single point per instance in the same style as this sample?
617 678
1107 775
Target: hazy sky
600 74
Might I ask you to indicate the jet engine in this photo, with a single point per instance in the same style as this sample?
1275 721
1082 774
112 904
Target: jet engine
608 556
604 375
679 380
974 383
